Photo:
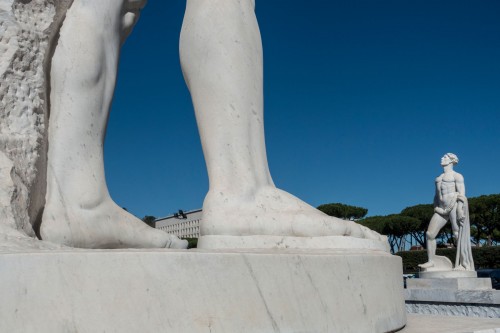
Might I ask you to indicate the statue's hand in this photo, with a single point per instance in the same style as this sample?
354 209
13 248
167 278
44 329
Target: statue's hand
439 210
460 214
460 217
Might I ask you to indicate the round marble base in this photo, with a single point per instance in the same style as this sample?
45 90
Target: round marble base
201 291
447 274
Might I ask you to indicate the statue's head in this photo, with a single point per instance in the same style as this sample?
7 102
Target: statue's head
449 158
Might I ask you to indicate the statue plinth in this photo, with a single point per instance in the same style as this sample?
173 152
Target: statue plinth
452 293
451 274
282 242
201 291
442 268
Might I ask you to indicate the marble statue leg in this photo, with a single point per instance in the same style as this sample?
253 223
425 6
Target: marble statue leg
435 225
221 57
79 211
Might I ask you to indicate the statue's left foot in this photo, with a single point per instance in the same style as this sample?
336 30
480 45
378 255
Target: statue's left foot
177 243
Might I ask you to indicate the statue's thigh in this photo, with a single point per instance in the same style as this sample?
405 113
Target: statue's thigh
437 222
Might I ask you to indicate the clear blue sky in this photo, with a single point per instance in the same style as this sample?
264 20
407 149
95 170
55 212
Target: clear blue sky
362 98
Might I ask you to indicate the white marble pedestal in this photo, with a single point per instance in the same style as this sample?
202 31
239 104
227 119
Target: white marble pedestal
448 275
453 296
201 291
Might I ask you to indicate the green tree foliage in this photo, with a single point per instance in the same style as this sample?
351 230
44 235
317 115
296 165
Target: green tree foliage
485 217
342 211
149 220
411 224
192 242
423 213
496 236
376 223
396 227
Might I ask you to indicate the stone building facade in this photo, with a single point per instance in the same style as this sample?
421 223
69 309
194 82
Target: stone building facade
182 224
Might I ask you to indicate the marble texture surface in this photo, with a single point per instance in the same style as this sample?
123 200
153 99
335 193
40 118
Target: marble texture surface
13 238
491 296
450 283
201 291
457 296
458 309
27 36
446 274
442 324
7 193
281 242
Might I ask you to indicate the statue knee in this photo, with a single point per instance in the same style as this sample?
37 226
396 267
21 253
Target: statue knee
429 235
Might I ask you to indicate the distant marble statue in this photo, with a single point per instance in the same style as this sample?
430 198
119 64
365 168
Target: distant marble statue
221 57
450 204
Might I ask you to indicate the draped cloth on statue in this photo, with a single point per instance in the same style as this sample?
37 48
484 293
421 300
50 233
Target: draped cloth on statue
464 251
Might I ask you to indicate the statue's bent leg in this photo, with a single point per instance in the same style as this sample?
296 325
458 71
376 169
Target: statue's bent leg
435 225
79 211
221 57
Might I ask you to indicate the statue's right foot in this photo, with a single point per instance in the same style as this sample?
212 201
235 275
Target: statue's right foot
270 213
428 264
101 226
